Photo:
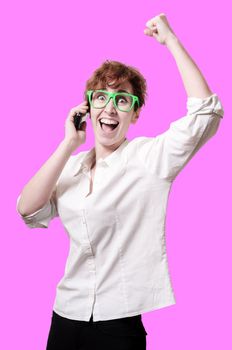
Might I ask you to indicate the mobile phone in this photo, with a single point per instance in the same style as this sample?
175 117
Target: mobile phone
80 118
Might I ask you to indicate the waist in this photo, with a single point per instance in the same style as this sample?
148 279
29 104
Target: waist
117 320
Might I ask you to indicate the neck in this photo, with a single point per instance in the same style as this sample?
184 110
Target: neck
102 151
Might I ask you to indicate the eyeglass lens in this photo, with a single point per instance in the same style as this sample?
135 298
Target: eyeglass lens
100 99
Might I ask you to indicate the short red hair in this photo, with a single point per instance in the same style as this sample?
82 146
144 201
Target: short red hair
114 70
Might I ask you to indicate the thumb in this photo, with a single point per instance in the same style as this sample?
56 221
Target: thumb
148 31
83 126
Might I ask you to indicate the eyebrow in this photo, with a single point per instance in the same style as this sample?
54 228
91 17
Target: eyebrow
124 91
121 90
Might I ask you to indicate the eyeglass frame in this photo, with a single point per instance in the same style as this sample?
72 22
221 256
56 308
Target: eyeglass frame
113 95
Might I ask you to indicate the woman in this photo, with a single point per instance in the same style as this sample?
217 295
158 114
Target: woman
112 202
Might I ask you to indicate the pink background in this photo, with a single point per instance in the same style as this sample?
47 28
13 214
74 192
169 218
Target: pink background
48 51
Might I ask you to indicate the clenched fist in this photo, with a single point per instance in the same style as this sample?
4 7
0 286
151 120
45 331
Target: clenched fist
159 28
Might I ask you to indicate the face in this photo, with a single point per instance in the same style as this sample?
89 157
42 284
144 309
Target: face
116 136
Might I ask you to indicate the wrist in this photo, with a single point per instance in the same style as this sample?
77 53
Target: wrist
70 144
171 41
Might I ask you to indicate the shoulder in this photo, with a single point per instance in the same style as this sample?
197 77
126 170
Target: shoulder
72 164
139 142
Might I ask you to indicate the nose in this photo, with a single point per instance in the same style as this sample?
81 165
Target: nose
110 106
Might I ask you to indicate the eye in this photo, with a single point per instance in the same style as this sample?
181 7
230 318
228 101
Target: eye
123 100
99 96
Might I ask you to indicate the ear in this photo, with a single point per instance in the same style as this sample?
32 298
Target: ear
135 116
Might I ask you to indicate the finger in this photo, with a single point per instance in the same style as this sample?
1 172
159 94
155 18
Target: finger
148 31
77 108
82 104
151 23
74 112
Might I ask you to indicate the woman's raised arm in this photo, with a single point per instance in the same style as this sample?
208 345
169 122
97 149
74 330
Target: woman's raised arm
193 80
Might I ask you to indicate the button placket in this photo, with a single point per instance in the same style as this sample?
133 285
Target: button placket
89 253
100 173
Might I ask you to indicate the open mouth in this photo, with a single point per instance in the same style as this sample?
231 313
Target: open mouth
108 128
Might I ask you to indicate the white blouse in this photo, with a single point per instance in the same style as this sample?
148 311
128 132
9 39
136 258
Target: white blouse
117 264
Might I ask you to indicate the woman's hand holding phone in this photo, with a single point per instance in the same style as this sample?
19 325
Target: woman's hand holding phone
73 135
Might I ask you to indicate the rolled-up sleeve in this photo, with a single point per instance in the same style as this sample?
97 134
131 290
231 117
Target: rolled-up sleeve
42 217
167 153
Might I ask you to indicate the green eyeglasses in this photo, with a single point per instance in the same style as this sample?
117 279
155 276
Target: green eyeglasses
122 100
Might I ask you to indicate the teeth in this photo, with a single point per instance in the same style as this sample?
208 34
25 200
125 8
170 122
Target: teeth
107 121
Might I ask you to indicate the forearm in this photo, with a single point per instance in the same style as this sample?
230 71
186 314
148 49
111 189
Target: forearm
193 80
38 190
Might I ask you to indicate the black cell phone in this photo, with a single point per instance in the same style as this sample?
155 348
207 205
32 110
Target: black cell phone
78 119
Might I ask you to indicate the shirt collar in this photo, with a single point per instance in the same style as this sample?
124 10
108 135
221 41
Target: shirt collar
109 160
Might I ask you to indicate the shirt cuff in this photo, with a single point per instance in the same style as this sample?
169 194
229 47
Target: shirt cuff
207 105
39 219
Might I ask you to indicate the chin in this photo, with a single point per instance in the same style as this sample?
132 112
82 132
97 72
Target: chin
107 141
